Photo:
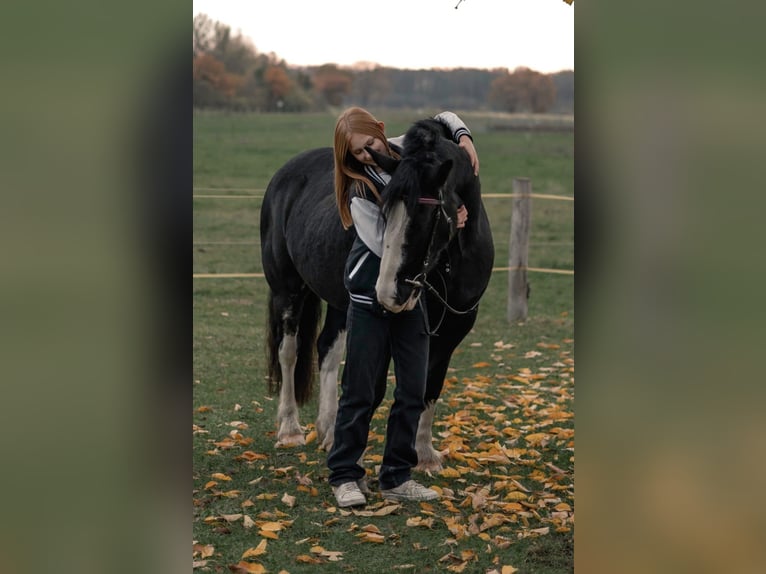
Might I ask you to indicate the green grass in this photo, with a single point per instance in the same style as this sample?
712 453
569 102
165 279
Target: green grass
496 394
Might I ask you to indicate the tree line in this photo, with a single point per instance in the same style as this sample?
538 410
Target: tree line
229 73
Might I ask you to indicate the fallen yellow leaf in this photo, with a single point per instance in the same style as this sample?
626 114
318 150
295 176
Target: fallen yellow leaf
266 496
249 455
420 521
204 550
231 493
371 537
247 568
257 551
386 510
516 495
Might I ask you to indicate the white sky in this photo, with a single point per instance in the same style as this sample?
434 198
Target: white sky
538 34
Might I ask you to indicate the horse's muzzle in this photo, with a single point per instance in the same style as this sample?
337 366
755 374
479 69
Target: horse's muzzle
405 297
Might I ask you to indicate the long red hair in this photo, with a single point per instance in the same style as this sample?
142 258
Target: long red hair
348 174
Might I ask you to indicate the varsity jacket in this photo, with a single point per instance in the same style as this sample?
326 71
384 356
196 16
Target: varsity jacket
363 262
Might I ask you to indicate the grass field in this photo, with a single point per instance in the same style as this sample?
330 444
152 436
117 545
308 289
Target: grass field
505 418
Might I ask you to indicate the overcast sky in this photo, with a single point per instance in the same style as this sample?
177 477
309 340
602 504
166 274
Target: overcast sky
538 34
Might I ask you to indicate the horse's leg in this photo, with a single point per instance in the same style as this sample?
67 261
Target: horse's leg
290 432
429 459
451 333
289 309
331 346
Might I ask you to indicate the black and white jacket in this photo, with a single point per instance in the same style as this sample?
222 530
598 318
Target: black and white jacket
363 262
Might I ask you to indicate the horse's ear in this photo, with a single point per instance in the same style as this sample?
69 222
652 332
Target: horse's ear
385 162
443 172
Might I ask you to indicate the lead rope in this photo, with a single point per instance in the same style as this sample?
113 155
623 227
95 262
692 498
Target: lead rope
434 332
444 302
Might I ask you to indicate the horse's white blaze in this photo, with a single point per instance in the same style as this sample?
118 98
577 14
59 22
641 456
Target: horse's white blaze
393 240
428 458
328 392
290 431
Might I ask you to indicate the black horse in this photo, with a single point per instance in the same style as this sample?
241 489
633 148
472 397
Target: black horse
304 249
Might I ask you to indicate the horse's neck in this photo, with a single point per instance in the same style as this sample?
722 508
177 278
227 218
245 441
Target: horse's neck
476 215
474 241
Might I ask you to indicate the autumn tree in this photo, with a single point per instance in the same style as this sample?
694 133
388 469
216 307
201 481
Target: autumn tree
211 83
333 83
203 35
278 84
522 90
372 85
229 72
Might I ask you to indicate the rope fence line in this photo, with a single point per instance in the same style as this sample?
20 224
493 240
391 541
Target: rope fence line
257 242
226 243
484 195
535 270
261 275
255 193
227 197
243 189
226 275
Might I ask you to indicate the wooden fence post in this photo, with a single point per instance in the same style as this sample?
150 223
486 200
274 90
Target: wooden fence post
518 288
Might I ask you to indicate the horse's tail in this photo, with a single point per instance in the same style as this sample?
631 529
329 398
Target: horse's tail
275 332
308 326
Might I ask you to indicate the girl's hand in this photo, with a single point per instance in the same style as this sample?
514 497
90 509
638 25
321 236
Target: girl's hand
462 216
467 144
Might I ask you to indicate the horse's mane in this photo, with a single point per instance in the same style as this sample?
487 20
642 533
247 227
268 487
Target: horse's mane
423 146
423 137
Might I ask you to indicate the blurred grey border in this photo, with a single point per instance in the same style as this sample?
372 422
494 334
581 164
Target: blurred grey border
96 316
671 435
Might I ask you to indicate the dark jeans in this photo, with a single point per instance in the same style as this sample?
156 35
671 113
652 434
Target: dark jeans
372 339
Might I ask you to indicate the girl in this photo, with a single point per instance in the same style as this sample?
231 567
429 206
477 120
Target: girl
374 334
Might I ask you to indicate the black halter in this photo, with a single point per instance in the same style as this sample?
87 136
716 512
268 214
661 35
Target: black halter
420 279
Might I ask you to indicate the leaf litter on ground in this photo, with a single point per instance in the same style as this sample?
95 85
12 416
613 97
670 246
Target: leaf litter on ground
508 445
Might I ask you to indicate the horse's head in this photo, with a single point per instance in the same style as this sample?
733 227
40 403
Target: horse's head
420 207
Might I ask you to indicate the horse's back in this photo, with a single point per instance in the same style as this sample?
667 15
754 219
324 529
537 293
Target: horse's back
302 239
310 169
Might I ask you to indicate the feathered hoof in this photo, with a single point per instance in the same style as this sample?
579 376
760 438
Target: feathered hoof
326 443
290 441
429 460
325 432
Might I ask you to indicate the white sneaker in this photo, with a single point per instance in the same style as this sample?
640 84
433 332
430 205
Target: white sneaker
348 494
410 490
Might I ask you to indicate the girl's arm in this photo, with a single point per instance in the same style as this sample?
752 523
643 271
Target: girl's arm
462 136
460 133
455 125
369 224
